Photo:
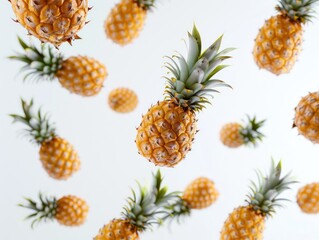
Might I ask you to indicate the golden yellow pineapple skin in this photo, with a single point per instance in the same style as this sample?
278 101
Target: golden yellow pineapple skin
278 44
82 75
201 193
53 21
118 229
230 135
307 117
71 211
123 100
125 22
166 133
243 224
308 198
59 158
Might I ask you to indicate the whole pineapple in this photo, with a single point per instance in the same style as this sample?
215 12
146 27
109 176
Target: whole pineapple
123 100
126 20
248 222
234 134
79 74
308 198
57 155
167 130
68 211
52 21
278 42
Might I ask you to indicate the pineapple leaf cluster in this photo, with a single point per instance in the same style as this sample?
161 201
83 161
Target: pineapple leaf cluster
177 210
250 131
146 4
192 80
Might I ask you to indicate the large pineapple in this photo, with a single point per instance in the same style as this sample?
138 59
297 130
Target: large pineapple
167 130
278 42
79 74
126 20
57 155
68 211
308 198
248 222
52 21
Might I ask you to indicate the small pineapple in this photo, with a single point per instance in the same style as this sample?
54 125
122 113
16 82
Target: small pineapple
123 100
52 21
278 42
80 75
57 155
234 135
308 198
248 222
167 130
68 211
126 20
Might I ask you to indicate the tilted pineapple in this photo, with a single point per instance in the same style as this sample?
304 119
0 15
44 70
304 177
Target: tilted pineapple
52 21
123 100
68 210
234 134
248 222
167 130
79 74
308 198
278 42
57 155
126 20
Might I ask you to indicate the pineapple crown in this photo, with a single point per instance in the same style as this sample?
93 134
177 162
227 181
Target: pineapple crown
43 210
38 126
297 10
250 131
40 63
146 4
177 210
192 81
264 197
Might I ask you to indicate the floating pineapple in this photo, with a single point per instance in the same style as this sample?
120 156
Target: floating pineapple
308 198
52 21
68 210
234 135
278 42
123 100
80 75
248 222
167 130
126 20
57 155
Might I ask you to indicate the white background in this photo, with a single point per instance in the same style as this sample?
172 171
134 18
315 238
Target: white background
105 139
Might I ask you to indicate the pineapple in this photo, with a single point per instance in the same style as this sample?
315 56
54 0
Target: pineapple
126 20
234 135
278 42
123 100
80 75
167 130
307 117
52 21
248 222
57 155
308 198
68 211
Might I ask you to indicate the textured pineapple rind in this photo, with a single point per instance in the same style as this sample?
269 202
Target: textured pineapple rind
123 100
308 198
230 135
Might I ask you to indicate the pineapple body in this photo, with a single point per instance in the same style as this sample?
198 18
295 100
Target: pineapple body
278 44
125 22
308 198
243 223
166 133
71 211
59 158
51 21
201 193
123 100
82 75
230 135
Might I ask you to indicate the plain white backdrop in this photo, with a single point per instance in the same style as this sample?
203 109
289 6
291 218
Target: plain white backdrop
105 139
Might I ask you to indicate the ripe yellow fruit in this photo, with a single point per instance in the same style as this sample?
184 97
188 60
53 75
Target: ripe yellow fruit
201 193
308 198
52 21
166 133
230 135
123 100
